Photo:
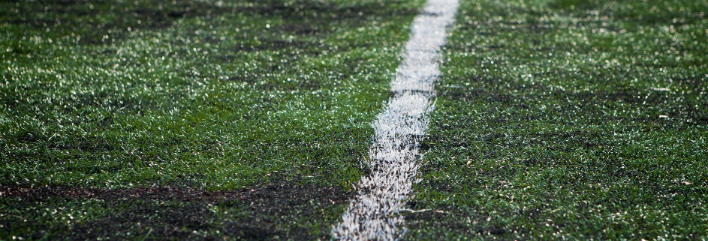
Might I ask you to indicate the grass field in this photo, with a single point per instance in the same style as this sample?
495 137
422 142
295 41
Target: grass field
569 120
272 98
555 119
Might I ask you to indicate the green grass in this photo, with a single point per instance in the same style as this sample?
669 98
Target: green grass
210 95
564 119
570 120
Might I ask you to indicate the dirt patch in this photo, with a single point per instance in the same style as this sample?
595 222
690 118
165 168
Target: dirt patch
170 212
100 21
529 97
453 224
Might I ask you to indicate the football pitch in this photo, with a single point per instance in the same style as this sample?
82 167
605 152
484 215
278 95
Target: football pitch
252 120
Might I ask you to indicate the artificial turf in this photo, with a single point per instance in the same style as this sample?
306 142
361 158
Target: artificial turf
107 97
569 120
563 119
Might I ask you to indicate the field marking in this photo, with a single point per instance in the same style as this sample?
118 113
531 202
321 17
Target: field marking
374 213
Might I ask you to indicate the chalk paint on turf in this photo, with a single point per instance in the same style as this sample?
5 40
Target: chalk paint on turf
374 213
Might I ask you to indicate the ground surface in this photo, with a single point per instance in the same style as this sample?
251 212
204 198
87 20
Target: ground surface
248 120
119 96
569 120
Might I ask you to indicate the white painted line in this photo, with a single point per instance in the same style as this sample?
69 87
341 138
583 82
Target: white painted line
374 213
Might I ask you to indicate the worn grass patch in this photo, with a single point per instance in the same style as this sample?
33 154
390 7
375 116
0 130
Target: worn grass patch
204 95
172 212
569 120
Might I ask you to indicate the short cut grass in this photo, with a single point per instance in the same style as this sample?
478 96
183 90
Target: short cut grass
569 120
205 95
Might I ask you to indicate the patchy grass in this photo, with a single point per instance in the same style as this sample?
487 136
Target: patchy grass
170 212
569 120
203 95
555 119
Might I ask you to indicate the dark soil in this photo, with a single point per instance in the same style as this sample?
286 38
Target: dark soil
99 22
170 212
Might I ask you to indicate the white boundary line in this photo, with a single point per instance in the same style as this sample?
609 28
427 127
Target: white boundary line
374 213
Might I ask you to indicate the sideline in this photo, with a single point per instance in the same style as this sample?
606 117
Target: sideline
374 213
